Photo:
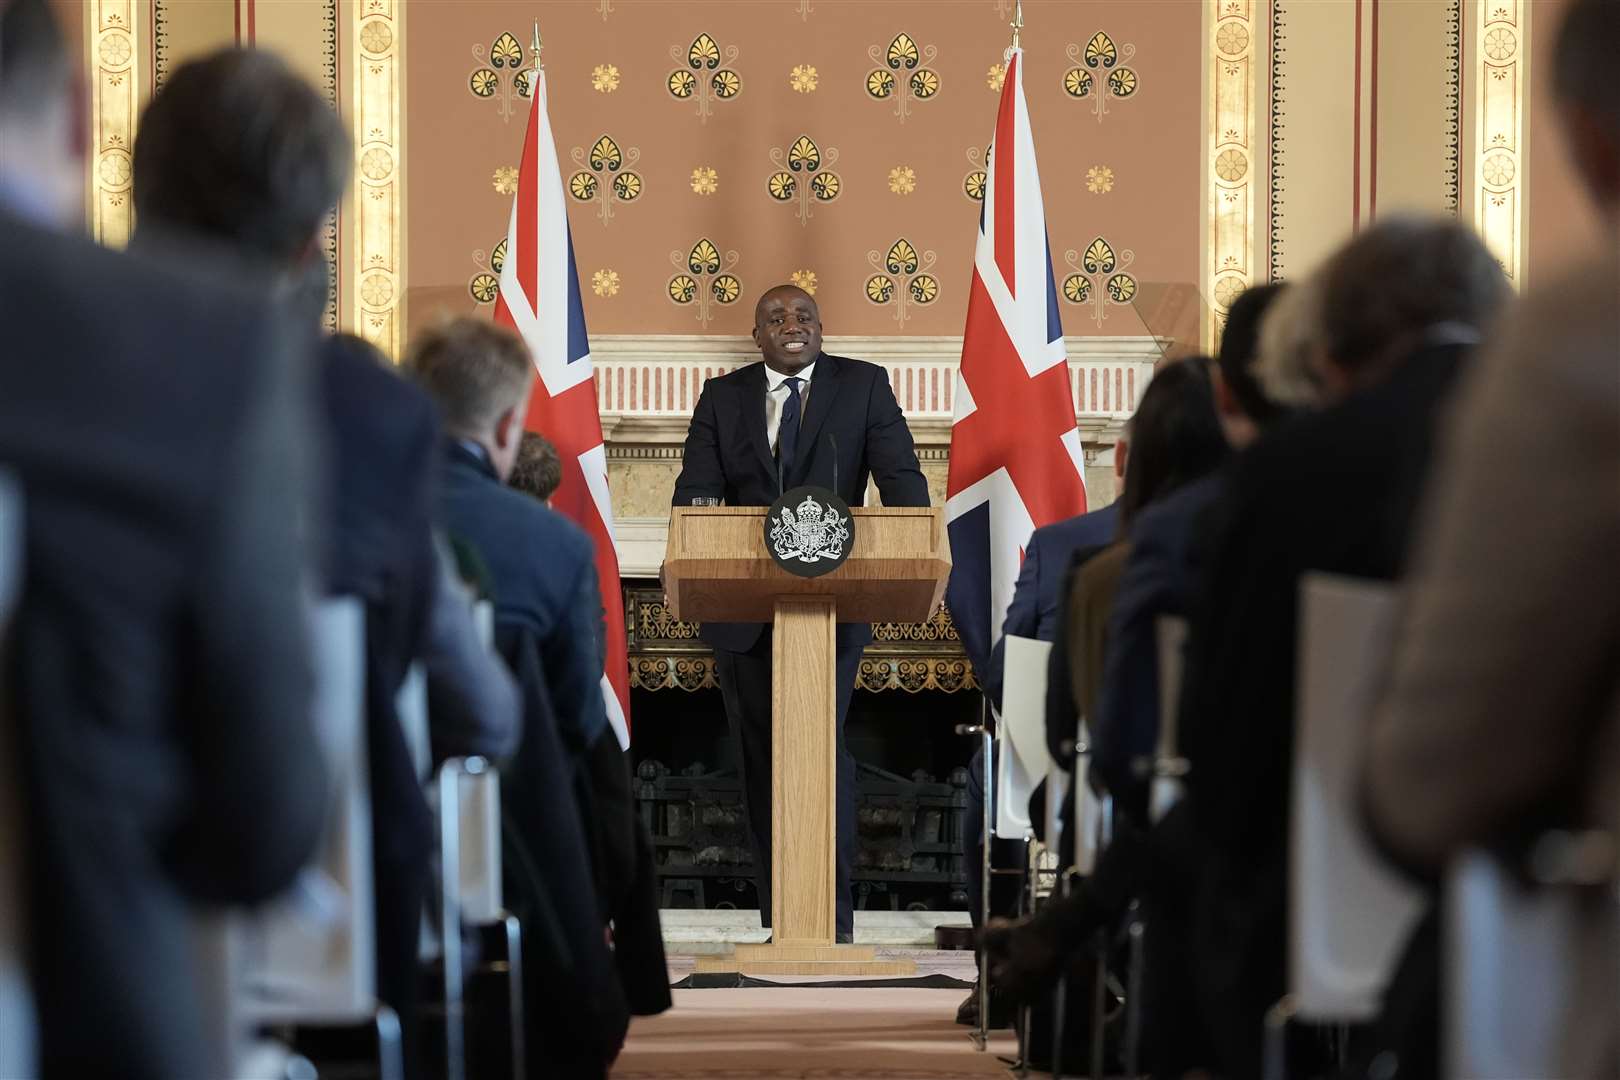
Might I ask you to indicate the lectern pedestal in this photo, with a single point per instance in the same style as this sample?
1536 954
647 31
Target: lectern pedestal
717 568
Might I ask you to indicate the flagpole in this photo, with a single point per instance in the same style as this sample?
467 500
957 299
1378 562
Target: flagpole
1017 21
538 66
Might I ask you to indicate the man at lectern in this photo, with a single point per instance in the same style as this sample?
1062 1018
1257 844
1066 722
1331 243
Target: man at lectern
799 417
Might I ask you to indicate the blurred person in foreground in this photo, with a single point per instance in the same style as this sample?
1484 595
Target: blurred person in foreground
538 470
239 153
158 685
569 796
1501 718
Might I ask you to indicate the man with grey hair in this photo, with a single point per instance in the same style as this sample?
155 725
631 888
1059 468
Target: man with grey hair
579 853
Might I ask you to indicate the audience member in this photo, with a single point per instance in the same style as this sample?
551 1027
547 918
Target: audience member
265 198
158 678
43 138
538 470
1034 612
572 806
1179 440
1162 573
473 706
1502 715
1400 309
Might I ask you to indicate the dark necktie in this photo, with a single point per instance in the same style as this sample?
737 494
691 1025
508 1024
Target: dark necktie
787 434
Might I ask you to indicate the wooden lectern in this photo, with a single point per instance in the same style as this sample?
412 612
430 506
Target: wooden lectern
717 569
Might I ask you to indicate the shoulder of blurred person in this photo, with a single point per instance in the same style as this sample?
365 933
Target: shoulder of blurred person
1090 600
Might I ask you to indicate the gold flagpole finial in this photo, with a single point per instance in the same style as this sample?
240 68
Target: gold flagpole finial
1017 20
538 66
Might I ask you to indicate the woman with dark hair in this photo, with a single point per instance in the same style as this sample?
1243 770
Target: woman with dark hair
1175 439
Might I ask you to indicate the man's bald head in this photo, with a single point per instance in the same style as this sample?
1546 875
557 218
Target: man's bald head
787 329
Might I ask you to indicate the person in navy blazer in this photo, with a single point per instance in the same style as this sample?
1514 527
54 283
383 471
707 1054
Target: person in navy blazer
800 416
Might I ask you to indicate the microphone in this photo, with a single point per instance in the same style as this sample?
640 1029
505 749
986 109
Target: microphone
833 441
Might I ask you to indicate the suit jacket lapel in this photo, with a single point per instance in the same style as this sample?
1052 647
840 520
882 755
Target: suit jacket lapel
823 389
753 407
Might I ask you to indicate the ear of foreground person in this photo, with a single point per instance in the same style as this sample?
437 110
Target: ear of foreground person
158 668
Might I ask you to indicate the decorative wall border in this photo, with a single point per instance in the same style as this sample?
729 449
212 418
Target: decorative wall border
1230 165
1454 105
667 654
661 375
1278 83
1501 61
115 44
377 259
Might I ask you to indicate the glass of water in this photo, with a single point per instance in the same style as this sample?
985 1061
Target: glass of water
705 500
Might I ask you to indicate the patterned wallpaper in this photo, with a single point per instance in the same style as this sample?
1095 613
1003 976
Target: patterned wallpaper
713 149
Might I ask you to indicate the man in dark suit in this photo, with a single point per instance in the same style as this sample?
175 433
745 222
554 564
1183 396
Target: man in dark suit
198 179
158 682
568 788
800 416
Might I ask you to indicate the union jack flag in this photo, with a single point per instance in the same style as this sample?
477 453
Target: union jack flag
1016 461
539 298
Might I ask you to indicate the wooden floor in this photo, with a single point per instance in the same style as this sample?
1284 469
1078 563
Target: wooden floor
810 1031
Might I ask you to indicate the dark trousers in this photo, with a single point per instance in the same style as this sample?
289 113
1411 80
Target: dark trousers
745 684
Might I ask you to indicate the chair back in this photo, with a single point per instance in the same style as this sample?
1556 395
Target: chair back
19 1028
1168 766
1023 759
1520 962
411 706
312 953
482 901
1349 913
484 621
1088 809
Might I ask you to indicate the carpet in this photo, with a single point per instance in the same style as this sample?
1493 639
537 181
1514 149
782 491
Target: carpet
809 1032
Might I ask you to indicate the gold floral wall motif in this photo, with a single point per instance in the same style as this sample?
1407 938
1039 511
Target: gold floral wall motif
485 284
1098 278
1101 73
904 74
703 279
803 176
701 78
604 176
903 278
713 180
115 103
501 74
978 177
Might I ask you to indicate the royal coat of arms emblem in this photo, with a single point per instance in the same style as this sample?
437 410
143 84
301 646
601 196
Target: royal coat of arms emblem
809 536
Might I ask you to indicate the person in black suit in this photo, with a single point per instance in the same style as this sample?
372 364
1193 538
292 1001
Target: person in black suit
800 416
158 686
265 198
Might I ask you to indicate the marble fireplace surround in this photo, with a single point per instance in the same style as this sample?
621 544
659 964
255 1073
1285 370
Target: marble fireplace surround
647 385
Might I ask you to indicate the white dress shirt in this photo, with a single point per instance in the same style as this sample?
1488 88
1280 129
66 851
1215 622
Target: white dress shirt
776 396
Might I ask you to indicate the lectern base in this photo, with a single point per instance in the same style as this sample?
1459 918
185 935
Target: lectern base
787 959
